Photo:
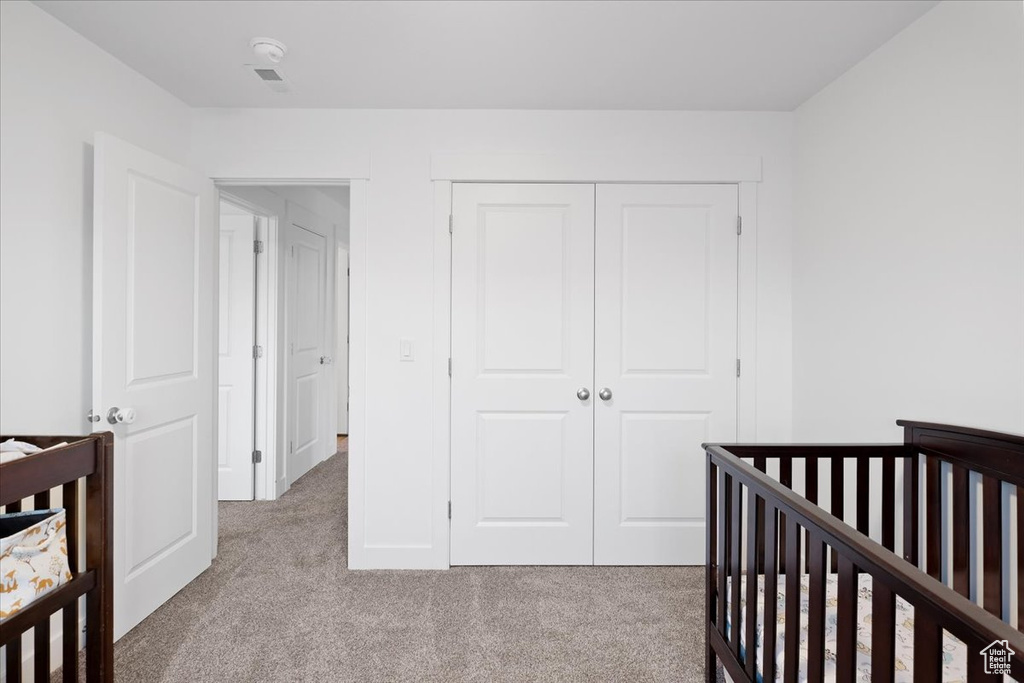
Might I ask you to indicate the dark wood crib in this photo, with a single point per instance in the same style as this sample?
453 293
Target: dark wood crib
35 476
767 532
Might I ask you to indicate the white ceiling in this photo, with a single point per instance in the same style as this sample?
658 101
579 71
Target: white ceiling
520 54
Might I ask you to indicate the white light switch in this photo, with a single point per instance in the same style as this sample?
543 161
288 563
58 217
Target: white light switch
405 351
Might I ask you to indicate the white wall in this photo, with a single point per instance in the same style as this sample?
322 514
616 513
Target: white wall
57 89
398 529
908 244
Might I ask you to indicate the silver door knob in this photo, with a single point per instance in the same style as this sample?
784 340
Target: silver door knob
326 360
121 416
583 394
605 394
93 417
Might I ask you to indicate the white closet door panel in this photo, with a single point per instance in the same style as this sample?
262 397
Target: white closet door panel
665 347
522 347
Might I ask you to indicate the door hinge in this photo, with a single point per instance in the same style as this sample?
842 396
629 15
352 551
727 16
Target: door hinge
449 509
739 225
257 351
257 246
449 367
257 456
737 367
451 224
291 446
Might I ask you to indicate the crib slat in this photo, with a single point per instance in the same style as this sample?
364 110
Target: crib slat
786 479
927 648
69 661
961 532
750 616
976 666
13 649
1020 557
811 494
724 484
838 497
710 604
933 518
991 504
863 494
735 536
41 633
816 610
911 509
883 632
846 626
69 633
791 665
771 589
761 464
889 502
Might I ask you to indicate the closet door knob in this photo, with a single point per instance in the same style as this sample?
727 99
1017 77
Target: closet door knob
583 394
605 394
121 415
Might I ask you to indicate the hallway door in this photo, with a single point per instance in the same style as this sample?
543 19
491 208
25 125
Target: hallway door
236 397
522 364
307 360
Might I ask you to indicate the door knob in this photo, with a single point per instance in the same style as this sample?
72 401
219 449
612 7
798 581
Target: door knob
583 394
605 394
326 360
121 415
93 417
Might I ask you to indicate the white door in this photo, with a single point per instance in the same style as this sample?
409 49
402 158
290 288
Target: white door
666 353
236 397
154 336
341 359
305 283
522 347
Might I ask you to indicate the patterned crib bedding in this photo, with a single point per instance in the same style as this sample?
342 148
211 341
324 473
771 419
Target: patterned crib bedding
954 652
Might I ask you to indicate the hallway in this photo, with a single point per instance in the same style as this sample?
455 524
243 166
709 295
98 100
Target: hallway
278 604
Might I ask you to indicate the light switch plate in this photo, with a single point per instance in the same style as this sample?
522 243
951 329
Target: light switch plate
405 349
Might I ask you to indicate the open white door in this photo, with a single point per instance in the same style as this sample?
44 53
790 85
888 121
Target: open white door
154 336
305 313
341 360
236 360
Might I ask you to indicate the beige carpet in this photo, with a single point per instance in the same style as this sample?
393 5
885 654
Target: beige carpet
278 604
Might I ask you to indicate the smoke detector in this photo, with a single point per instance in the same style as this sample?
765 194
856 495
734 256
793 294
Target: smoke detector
268 50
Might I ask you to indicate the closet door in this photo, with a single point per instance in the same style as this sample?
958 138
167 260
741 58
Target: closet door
665 371
522 365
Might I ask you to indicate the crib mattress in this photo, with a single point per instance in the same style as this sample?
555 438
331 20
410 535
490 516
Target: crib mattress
954 652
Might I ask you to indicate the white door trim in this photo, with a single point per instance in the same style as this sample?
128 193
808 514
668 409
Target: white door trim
594 168
266 371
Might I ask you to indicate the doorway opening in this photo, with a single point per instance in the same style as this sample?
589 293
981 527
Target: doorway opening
283 388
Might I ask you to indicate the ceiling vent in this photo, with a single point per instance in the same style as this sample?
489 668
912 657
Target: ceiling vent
270 76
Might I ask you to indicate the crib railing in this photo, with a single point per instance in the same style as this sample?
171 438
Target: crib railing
759 525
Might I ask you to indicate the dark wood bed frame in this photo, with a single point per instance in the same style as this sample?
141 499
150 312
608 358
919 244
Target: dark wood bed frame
91 457
779 516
